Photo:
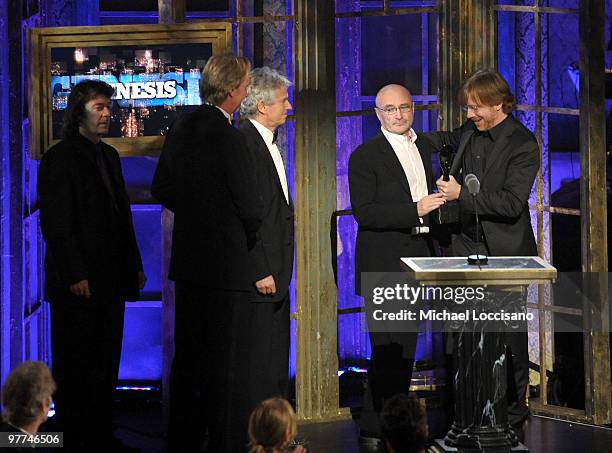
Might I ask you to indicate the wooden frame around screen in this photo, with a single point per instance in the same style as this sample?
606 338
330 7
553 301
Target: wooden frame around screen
42 40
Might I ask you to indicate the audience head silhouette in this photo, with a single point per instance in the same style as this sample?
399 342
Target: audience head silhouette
272 426
404 424
26 396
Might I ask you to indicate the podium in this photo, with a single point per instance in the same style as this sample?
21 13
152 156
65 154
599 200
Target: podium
480 422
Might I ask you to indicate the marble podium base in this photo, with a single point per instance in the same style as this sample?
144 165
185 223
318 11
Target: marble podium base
519 448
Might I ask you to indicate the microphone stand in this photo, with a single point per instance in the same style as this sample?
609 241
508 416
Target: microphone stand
477 259
477 223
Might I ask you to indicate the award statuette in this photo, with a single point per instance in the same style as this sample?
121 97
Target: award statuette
449 213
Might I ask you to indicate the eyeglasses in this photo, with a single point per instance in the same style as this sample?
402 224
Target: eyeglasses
473 108
391 110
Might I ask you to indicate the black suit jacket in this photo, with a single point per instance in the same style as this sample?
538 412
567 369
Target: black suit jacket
24 446
508 177
383 207
87 236
273 251
205 176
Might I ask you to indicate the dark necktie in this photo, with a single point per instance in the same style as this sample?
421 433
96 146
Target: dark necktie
275 136
103 169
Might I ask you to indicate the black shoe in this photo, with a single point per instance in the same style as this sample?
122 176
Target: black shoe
368 439
382 447
519 431
117 445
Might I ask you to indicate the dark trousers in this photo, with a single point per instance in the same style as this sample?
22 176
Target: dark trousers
204 369
516 345
392 360
263 352
389 373
86 347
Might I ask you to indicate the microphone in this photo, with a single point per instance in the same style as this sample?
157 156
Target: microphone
449 213
446 161
472 183
473 186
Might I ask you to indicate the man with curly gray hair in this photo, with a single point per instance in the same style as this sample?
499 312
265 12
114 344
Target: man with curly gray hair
265 82
26 397
265 320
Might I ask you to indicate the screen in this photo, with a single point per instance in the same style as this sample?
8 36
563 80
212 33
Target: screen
153 83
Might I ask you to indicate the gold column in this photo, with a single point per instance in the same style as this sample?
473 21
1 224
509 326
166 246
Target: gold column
167 223
593 208
315 178
171 11
468 31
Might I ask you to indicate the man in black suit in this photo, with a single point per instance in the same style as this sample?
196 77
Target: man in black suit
390 180
266 317
92 265
504 156
205 176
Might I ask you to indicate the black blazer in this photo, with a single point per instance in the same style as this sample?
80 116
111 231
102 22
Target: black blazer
274 246
24 448
87 237
205 176
505 186
383 207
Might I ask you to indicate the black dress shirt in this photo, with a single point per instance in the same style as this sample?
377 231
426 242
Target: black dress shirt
478 150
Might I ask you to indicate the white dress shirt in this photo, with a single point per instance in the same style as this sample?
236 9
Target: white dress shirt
408 154
406 150
268 137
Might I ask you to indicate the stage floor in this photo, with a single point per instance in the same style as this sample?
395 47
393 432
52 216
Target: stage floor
141 426
542 435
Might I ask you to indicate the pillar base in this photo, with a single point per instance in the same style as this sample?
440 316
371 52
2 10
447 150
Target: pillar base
519 448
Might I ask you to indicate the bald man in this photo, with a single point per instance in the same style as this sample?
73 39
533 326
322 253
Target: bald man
390 180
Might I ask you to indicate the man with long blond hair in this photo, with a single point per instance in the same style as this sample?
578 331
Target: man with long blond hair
205 177
504 156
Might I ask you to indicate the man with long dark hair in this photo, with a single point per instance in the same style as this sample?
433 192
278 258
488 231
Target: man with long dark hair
92 265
